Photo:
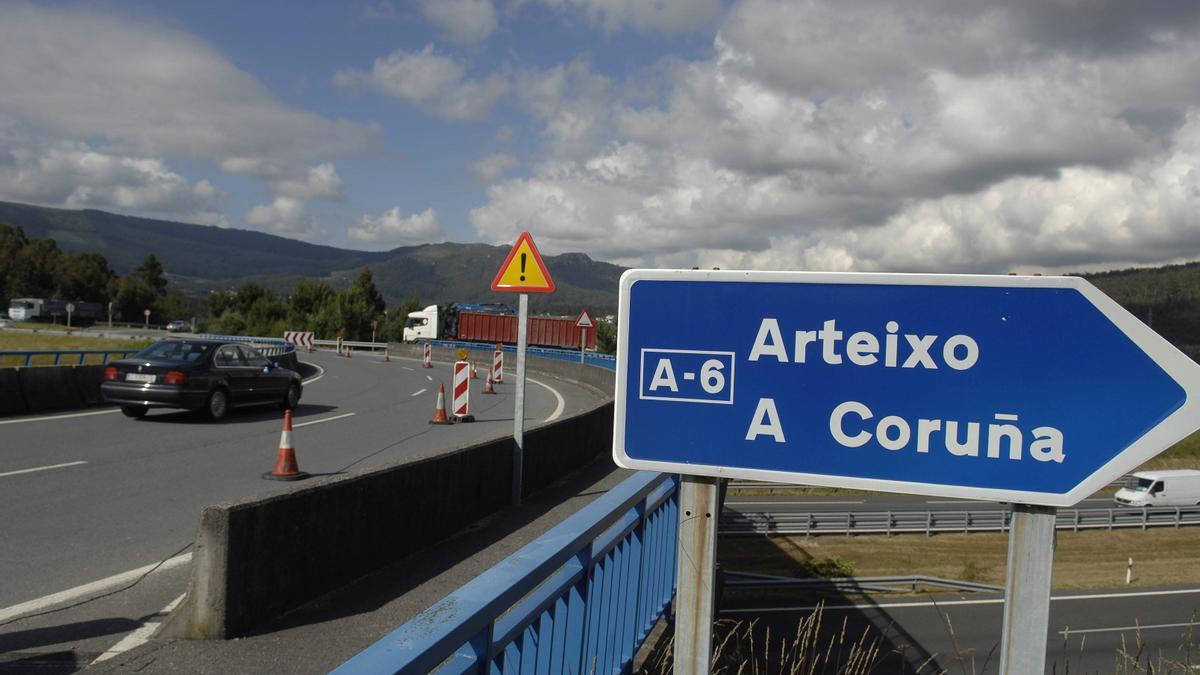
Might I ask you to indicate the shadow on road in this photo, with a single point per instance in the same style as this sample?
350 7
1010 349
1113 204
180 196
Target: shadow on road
247 415
15 646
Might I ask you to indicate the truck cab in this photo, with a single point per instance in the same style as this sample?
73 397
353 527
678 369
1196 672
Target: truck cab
421 325
1180 487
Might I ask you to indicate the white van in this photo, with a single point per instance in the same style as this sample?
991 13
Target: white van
1180 487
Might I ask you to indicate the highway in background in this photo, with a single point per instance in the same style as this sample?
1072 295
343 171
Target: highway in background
90 495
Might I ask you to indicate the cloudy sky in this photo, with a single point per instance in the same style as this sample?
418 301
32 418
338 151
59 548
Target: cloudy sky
856 135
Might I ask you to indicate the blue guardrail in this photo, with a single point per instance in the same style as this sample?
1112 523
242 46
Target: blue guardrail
67 356
579 599
590 358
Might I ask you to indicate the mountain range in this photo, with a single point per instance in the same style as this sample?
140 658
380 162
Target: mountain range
201 258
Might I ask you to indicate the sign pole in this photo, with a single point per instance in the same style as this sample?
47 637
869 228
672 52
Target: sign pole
582 342
519 413
1027 589
695 596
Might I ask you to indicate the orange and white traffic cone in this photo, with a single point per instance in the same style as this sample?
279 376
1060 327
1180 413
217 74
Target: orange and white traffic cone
286 467
386 358
439 413
487 385
474 375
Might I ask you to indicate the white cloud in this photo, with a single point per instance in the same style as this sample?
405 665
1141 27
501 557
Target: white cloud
393 228
320 182
74 175
872 135
286 217
667 16
462 21
490 167
438 84
149 89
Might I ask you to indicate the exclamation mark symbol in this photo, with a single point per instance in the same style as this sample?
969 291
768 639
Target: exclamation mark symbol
522 267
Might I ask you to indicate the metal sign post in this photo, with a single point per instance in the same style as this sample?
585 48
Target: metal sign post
1027 590
523 272
696 594
70 311
519 412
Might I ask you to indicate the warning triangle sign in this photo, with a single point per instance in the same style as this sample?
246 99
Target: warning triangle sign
523 271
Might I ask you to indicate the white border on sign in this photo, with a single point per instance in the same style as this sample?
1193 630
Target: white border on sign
1171 430
642 373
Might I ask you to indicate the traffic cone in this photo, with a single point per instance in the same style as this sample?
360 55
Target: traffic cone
474 375
286 467
386 358
439 413
487 386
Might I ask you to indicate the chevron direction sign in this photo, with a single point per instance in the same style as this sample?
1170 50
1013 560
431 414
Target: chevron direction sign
1032 390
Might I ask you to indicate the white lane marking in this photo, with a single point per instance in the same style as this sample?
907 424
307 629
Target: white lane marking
408 369
958 501
741 503
317 377
1121 629
60 417
558 411
101 585
322 421
142 635
429 377
42 468
419 392
948 603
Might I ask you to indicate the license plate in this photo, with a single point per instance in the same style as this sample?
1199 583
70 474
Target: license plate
138 377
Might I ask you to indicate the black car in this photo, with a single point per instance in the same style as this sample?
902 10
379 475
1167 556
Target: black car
207 375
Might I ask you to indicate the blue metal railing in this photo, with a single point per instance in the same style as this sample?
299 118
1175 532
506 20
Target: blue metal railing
72 356
590 358
579 599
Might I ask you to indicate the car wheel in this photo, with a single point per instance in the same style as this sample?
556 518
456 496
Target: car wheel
292 397
134 411
218 404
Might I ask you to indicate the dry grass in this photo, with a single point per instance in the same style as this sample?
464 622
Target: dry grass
1092 559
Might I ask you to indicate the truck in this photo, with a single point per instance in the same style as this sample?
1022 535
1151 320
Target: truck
492 323
53 311
1176 487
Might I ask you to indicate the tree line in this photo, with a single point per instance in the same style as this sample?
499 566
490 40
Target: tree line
37 268
310 306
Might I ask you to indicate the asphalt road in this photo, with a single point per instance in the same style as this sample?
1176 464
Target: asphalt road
92 495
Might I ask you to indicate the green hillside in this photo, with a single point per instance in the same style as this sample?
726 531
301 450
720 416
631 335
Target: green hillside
200 258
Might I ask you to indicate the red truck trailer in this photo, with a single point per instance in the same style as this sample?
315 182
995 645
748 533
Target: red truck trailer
542 331
496 323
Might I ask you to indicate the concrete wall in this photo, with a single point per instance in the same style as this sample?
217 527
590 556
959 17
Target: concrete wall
255 559
49 388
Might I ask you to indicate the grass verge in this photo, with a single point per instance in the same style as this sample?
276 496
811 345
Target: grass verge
1090 559
10 341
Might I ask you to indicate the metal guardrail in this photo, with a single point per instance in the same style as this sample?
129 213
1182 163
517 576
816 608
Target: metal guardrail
72 356
350 343
901 584
267 345
607 361
929 522
579 599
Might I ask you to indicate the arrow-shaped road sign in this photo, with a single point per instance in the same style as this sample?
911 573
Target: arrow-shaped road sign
1035 390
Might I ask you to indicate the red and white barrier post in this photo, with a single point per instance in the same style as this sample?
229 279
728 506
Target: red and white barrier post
461 405
497 365
428 355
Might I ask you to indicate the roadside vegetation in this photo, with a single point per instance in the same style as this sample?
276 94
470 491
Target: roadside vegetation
18 341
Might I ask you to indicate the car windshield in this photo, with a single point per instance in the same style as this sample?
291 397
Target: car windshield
175 351
1143 485
415 321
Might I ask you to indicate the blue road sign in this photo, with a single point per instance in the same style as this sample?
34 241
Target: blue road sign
1036 390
